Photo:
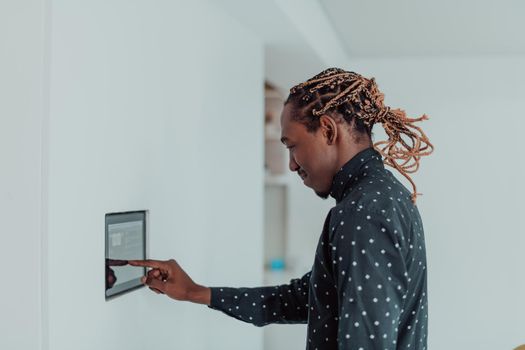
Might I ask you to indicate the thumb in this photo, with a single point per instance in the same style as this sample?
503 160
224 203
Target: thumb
156 284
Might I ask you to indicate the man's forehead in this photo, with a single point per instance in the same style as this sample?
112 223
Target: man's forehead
287 130
290 128
284 124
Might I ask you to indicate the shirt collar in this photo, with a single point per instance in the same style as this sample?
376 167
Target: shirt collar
349 173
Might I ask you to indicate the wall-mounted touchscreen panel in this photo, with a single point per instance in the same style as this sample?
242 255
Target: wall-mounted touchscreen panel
125 240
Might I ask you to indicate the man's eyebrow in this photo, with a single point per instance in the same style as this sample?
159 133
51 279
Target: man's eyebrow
284 139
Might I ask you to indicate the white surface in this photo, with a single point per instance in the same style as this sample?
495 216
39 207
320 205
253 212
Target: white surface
305 223
412 27
275 217
147 107
298 37
22 113
152 106
316 29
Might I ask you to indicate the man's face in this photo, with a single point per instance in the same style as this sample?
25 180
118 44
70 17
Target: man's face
311 156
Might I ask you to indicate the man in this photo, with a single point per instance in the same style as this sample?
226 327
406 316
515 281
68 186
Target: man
367 287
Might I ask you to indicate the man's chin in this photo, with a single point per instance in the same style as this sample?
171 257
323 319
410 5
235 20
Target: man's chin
323 195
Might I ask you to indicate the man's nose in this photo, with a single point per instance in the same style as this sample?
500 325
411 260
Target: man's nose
292 164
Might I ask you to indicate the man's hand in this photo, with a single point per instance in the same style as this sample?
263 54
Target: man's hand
167 277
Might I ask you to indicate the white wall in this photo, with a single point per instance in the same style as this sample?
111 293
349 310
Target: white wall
473 190
22 41
154 106
159 107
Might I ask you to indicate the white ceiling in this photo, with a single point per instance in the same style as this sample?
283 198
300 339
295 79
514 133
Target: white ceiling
419 27
303 37
299 40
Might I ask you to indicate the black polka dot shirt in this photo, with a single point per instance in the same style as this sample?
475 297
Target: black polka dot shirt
368 286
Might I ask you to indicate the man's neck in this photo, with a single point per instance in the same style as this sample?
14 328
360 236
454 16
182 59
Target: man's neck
351 151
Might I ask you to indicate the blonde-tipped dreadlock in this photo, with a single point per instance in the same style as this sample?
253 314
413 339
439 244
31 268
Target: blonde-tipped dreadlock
355 96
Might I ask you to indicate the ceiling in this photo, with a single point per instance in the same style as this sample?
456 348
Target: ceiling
302 37
297 37
416 27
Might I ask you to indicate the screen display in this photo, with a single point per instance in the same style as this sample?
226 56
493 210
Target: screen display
125 240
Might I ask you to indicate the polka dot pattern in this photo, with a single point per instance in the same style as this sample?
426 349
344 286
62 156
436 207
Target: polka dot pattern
368 283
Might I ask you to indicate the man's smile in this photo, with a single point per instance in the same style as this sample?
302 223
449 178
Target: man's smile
302 174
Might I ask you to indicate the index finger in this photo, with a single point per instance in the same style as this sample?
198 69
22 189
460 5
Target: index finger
116 262
158 264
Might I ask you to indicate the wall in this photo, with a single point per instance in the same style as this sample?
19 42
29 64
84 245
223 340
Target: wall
154 106
473 189
22 114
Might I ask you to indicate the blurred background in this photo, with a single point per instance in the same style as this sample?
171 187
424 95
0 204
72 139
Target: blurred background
173 107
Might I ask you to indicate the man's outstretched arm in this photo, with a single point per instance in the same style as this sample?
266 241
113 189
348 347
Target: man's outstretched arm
287 303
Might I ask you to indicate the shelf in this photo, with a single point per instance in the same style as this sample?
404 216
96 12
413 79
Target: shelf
277 180
273 94
276 277
273 135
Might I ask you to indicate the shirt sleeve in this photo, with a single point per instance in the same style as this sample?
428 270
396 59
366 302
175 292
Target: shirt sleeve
371 278
287 303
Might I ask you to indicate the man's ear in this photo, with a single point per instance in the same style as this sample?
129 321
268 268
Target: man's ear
328 128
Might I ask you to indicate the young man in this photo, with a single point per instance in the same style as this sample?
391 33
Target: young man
367 287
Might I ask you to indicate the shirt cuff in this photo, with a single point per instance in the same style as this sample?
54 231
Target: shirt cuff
220 298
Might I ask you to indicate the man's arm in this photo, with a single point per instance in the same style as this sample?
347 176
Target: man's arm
371 280
287 303
260 306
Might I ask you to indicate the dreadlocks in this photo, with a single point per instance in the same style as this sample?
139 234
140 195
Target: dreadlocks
359 101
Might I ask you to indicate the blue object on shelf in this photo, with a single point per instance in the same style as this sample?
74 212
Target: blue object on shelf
277 264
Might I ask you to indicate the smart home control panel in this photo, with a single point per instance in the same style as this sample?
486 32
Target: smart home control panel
125 240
